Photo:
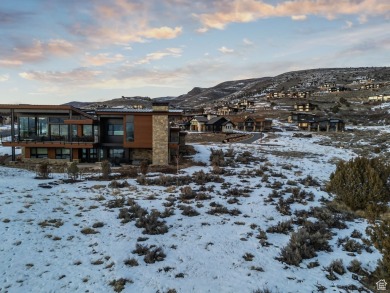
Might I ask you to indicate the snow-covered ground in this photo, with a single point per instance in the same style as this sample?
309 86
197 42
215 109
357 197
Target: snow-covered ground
204 253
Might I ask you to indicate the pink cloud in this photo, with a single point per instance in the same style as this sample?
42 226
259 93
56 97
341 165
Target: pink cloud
241 11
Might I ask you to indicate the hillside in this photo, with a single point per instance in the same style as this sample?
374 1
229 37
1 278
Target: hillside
222 230
296 81
259 89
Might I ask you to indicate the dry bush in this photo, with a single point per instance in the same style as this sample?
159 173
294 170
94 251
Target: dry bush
43 170
303 245
73 171
189 211
144 167
284 227
117 184
217 158
336 266
135 211
151 224
119 285
154 254
106 169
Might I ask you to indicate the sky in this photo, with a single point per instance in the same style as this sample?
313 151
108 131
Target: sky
55 51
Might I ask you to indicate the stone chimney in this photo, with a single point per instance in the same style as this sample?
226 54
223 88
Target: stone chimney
160 106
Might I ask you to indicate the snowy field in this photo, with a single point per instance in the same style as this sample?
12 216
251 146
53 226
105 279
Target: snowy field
44 249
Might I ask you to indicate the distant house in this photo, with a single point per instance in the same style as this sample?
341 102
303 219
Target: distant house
251 123
215 124
226 110
295 117
305 107
379 98
227 126
198 123
322 124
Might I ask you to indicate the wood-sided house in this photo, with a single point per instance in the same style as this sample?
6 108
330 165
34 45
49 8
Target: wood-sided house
119 135
251 123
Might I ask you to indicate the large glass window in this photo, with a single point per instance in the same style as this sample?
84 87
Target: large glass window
87 130
42 126
38 152
115 129
27 127
116 153
130 128
62 153
59 131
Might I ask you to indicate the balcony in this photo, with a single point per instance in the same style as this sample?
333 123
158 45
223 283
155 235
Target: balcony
51 141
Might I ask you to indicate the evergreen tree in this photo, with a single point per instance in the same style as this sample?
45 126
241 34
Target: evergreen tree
361 182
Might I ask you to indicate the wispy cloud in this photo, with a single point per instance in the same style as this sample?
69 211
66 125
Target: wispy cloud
37 51
4 77
102 59
240 11
76 76
299 17
247 42
225 50
172 52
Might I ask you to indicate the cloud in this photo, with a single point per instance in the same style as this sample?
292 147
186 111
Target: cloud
102 59
76 76
60 47
172 52
348 24
4 77
299 17
241 11
247 42
225 50
10 63
162 33
37 51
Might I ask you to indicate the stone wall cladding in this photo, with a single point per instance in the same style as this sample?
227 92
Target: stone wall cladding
142 154
160 140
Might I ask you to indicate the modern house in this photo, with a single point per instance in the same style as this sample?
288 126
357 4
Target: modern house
118 135
250 123
322 124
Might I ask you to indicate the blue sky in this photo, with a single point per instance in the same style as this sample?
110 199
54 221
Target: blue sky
55 51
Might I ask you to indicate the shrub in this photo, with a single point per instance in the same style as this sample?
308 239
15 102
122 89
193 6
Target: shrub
141 249
155 254
336 266
73 171
217 158
144 167
132 262
360 181
281 227
189 211
106 169
380 236
303 245
43 170
87 231
119 285
355 267
151 224
248 256
352 245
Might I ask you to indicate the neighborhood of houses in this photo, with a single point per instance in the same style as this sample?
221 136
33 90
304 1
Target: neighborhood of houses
138 133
